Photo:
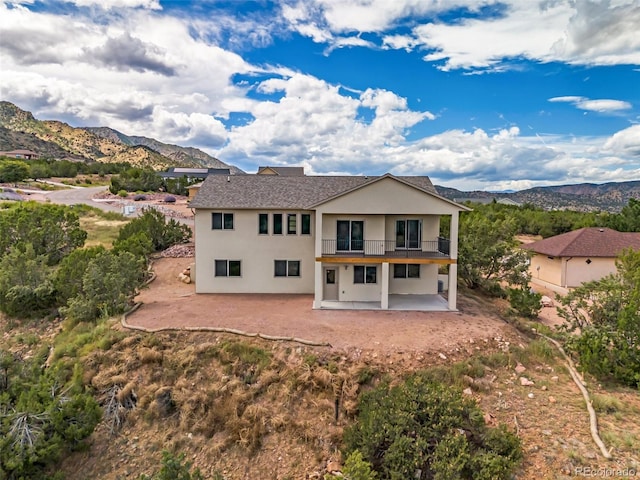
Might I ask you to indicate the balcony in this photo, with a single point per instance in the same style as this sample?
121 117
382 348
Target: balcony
438 248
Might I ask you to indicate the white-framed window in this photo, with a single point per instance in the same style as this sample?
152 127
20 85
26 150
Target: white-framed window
222 221
292 219
365 274
286 268
305 224
263 223
228 268
406 270
277 224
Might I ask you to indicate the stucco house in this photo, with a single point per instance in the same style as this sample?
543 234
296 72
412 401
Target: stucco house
570 259
351 241
21 154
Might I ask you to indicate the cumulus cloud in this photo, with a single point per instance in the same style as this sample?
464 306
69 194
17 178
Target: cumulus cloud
126 52
599 105
583 32
624 142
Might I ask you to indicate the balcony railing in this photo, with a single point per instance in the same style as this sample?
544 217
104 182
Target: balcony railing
438 248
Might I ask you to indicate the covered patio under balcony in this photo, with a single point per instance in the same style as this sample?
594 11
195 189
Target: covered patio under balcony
422 303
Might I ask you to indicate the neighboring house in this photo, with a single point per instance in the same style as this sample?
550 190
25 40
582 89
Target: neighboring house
193 173
282 171
344 239
488 200
22 154
570 259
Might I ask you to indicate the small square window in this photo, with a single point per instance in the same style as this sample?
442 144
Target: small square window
413 270
399 270
293 268
280 268
227 268
287 268
222 221
364 274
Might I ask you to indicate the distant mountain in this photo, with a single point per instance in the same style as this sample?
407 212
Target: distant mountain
50 138
585 197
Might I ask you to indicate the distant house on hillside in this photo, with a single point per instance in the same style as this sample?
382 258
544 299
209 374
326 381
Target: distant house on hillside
584 255
21 154
193 173
487 200
282 171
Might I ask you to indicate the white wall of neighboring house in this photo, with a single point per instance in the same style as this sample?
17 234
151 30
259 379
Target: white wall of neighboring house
256 252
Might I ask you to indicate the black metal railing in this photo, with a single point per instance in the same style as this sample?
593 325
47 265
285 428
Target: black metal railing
440 247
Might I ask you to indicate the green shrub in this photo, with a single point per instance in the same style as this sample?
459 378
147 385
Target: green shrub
423 429
355 468
173 468
525 303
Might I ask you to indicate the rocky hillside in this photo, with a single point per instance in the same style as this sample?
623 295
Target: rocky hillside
51 138
585 197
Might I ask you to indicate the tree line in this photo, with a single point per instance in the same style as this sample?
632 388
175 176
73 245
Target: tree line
45 273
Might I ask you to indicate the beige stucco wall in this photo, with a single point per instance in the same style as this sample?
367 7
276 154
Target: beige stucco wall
257 253
426 284
361 292
388 196
546 269
579 271
570 272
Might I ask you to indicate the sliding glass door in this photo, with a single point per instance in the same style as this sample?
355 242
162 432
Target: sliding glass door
350 235
408 234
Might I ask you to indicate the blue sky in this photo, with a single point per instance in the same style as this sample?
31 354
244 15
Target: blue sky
475 94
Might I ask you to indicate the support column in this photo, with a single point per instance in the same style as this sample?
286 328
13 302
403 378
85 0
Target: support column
384 295
318 286
453 285
453 268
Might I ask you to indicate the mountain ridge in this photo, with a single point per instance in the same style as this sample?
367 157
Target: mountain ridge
56 139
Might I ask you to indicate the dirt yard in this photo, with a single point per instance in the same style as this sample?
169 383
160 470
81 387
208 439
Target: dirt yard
167 302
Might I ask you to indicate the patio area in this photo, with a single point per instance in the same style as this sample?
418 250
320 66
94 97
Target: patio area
416 303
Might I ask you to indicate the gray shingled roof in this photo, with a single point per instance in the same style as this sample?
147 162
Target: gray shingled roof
283 192
285 171
586 242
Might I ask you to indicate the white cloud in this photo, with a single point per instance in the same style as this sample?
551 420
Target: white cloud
599 105
109 4
625 142
581 32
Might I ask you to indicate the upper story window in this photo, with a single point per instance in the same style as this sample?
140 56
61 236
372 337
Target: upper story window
222 221
305 227
291 223
277 224
263 223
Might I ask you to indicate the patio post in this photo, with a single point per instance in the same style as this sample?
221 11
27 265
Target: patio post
384 295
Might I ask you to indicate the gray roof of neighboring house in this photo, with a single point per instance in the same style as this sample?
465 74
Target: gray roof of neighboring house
283 192
178 172
284 171
586 242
